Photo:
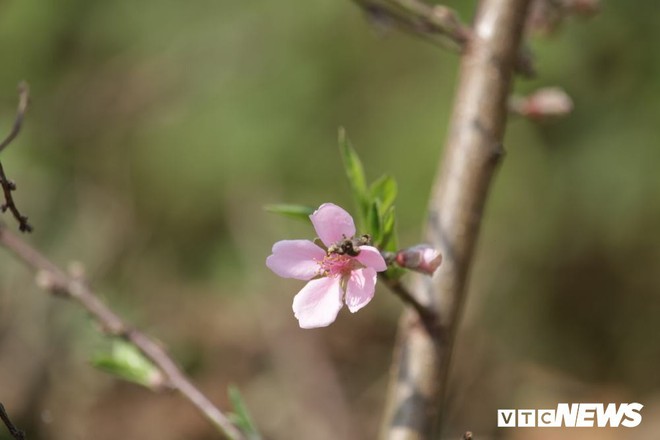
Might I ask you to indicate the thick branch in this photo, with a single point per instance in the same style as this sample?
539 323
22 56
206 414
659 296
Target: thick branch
59 282
473 149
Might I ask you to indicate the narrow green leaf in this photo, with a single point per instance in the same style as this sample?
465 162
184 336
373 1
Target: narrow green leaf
355 174
390 241
384 189
375 223
241 416
125 361
389 238
301 212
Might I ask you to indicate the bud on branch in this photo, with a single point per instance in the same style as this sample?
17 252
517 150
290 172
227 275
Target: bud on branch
421 258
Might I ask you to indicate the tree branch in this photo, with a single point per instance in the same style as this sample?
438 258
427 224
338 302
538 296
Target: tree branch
7 185
420 18
473 150
16 433
426 314
59 282
427 21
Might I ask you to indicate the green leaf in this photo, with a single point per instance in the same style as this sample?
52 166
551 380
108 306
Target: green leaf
375 223
301 212
241 416
127 362
384 189
355 174
389 242
389 237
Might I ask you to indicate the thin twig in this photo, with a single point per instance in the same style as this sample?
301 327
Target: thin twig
473 150
13 430
7 185
421 19
59 282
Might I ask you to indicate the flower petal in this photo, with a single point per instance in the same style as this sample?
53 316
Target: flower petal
360 288
297 259
318 303
371 257
332 223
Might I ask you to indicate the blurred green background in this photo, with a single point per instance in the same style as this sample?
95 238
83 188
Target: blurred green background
159 129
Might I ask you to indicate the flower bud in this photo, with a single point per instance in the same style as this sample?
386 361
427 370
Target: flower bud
549 102
421 258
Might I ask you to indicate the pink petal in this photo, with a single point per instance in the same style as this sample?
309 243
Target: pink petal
297 259
318 303
332 223
371 257
360 288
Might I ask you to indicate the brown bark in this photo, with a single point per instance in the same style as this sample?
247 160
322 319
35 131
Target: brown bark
472 152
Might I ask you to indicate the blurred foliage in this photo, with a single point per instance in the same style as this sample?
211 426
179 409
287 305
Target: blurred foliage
124 360
157 132
241 416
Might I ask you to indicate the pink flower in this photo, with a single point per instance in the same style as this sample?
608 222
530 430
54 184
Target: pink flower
345 273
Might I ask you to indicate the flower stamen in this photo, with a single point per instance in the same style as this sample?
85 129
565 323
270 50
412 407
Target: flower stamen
337 265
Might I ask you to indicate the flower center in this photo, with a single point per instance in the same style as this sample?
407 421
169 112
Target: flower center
337 265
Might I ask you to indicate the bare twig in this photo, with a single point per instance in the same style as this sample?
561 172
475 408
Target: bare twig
473 150
435 23
420 18
7 185
13 430
59 282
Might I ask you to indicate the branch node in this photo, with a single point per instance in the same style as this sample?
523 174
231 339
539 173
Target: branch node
44 279
77 271
426 314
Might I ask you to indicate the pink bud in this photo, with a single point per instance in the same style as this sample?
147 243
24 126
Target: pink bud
549 102
421 258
